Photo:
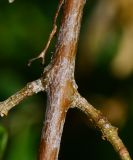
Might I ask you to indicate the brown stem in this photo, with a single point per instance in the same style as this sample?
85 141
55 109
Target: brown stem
109 132
58 81
61 84
29 90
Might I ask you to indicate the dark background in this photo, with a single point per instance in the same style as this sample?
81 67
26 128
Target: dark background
24 30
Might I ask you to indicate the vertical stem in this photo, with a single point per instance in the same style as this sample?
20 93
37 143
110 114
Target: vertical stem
61 84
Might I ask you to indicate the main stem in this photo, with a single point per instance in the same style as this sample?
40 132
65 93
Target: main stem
61 84
58 81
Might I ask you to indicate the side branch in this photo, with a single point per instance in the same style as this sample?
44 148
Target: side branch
30 89
53 32
109 132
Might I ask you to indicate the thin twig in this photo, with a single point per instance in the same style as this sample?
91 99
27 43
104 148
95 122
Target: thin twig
42 54
29 90
109 132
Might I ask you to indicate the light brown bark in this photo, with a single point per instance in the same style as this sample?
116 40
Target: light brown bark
61 84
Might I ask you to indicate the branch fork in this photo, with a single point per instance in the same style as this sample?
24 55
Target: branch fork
58 81
53 32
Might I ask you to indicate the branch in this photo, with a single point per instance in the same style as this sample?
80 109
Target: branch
42 54
61 84
109 132
58 81
29 90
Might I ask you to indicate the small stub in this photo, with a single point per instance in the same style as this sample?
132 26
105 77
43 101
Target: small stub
11 1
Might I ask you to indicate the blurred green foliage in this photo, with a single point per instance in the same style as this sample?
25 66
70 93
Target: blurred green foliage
3 140
24 29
